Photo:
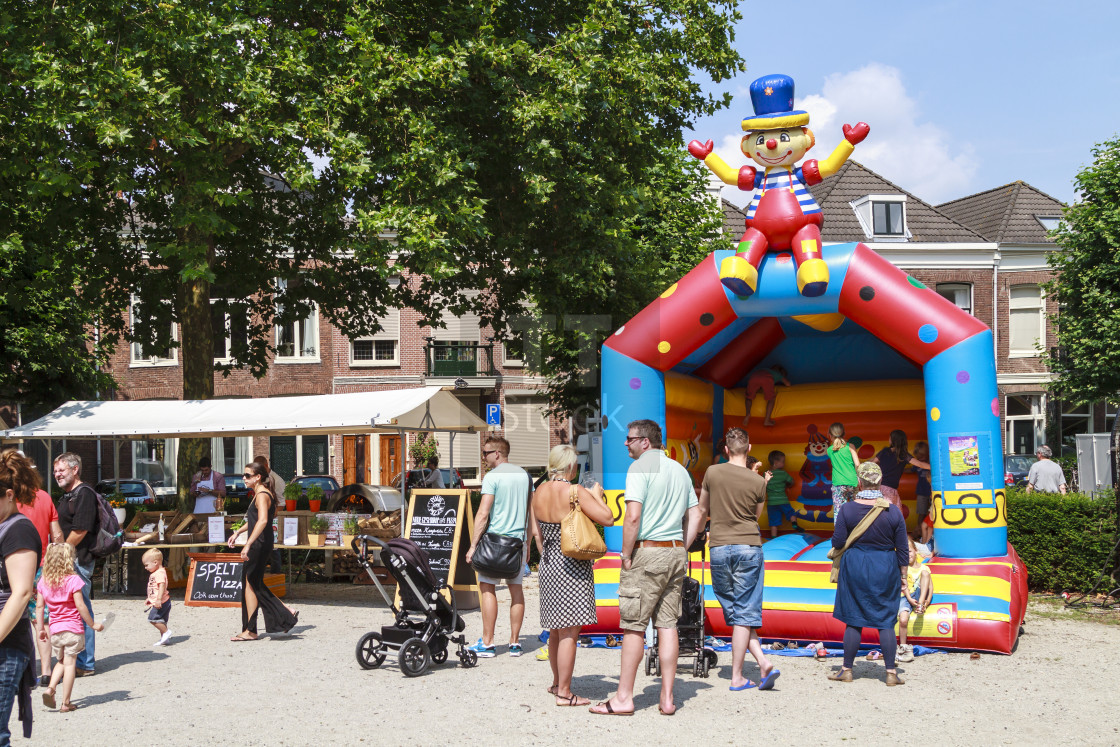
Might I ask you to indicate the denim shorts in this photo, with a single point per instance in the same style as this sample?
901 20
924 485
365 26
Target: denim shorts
738 574
904 603
160 614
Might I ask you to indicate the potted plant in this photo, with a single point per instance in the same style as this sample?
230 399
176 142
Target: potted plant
349 531
292 493
316 531
118 502
315 497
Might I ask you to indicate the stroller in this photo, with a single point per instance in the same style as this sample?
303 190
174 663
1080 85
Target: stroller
425 623
691 627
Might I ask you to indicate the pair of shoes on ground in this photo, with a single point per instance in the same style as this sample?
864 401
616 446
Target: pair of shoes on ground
489 652
905 652
163 639
49 702
845 675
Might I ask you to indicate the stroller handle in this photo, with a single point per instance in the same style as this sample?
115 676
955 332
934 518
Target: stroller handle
365 539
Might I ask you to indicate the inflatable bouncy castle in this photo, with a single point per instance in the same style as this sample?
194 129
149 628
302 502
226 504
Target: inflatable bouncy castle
858 342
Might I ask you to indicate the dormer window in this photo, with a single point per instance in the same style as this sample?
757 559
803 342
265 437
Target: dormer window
882 217
1049 222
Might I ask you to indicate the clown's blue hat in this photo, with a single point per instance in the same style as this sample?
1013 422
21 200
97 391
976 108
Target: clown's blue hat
772 96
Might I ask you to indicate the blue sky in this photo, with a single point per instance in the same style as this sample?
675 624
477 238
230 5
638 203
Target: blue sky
961 97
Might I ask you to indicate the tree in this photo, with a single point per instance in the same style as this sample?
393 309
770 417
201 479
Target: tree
1087 288
523 151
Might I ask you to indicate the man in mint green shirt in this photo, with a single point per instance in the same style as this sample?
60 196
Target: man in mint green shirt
504 510
659 493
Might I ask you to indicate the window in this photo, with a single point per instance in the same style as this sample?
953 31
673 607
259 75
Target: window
1076 419
1110 409
381 349
297 340
959 293
514 351
229 328
1027 320
1049 222
147 352
886 219
1024 418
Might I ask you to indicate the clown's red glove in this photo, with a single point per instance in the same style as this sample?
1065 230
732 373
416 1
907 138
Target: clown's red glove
856 134
699 150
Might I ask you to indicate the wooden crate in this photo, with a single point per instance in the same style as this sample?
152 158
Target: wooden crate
134 529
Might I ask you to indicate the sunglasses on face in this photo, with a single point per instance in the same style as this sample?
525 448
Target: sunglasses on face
488 453
247 475
631 439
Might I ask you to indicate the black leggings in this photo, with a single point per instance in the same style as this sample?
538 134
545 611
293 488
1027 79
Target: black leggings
277 618
887 642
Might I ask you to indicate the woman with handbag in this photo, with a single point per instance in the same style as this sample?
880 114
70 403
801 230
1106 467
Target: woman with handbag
560 519
870 541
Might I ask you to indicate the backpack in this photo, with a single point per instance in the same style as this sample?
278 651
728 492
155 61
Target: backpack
109 538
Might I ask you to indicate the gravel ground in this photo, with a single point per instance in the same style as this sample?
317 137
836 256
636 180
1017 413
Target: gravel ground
1058 688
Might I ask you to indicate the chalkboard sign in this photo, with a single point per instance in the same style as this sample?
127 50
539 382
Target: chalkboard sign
214 580
441 522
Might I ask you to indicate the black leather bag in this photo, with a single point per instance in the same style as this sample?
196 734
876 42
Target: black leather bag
498 557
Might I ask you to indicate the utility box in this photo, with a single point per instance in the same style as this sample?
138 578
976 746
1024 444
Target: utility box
1094 462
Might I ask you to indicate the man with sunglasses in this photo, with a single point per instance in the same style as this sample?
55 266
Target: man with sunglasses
504 510
659 493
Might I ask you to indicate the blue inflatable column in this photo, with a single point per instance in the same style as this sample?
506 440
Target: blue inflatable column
966 451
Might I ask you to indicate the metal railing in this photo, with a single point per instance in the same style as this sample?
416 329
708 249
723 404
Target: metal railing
460 359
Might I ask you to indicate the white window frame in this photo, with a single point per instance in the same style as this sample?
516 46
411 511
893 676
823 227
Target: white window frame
509 361
1036 417
298 343
957 287
864 209
1013 305
228 358
134 347
1049 222
394 316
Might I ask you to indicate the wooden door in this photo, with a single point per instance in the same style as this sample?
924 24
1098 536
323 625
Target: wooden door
390 458
355 459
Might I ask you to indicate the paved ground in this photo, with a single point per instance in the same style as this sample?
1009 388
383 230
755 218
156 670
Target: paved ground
1058 688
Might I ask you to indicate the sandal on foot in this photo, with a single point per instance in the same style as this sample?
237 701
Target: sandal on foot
768 681
551 690
844 675
747 686
571 700
67 707
663 712
49 701
609 711
242 639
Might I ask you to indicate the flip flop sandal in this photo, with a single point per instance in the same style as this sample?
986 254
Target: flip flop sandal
610 711
747 686
874 656
571 701
49 701
768 681
239 639
67 707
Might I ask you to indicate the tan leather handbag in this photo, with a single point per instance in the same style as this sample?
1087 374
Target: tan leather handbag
579 539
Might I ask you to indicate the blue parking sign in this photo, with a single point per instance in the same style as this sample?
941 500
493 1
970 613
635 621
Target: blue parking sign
493 414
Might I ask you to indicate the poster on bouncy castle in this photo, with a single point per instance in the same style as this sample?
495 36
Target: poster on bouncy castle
964 456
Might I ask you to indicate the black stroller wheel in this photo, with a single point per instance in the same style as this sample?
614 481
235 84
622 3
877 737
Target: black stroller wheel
711 657
439 656
468 658
414 657
370 651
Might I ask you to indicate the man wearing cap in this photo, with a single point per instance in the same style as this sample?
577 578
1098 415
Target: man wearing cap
782 213
659 493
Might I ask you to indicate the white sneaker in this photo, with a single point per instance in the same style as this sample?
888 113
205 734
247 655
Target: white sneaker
163 639
906 653
159 642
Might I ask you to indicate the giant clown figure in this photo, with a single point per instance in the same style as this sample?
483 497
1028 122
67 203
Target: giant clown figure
782 213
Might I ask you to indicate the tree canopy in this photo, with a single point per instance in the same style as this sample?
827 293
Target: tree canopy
1087 285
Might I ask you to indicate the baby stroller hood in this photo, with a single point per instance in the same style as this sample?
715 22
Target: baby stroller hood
415 556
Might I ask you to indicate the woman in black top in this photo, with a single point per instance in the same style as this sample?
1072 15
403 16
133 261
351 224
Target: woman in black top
872 573
20 550
892 460
258 547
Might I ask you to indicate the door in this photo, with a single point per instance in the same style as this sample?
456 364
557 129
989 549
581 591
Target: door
315 455
282 456
390 458
355 459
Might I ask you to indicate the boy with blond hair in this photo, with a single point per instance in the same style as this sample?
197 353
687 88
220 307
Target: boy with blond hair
158 602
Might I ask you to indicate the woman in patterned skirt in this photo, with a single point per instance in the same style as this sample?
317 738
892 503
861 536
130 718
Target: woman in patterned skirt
567 586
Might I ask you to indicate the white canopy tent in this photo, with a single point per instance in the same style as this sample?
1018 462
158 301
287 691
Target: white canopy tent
392 411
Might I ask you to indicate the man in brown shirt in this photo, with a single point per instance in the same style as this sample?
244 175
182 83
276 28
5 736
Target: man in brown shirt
732 493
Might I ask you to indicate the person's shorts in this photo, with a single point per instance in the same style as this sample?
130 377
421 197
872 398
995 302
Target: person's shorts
737 579
34 596
65 643
763 381
651 589
482 579
778 513
160 614
925 503
904 603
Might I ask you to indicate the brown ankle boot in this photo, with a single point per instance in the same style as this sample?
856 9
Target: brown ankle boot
844 675
893 679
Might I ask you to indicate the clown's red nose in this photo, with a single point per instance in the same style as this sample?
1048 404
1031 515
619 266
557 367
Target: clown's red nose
771 143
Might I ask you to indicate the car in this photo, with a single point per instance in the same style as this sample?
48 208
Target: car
134 491
416 478
1016 467
235 488
326 482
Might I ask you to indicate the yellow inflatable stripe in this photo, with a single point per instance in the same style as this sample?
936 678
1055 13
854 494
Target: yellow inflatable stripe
836 397
970 615
797 607
688 393
980 586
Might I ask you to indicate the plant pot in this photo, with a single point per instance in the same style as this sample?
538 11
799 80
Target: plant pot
347 542
121 515
314 505
289 505
315 540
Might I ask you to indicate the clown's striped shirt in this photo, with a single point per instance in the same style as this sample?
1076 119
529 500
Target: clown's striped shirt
783 179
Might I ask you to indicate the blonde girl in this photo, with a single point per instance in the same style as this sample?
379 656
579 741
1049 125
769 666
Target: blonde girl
844 462
60 588
915 598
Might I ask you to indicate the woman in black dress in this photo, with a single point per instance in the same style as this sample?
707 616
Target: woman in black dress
872 572
255 554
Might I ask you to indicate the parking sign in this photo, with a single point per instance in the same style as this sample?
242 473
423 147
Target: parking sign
493 414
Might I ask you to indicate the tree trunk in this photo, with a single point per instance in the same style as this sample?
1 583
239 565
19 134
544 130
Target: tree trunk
197 357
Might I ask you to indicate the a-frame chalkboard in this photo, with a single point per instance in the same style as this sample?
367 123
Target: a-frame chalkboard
442 523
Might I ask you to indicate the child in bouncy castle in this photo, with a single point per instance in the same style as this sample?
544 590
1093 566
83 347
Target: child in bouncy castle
924 493
915 598
844 462
778 482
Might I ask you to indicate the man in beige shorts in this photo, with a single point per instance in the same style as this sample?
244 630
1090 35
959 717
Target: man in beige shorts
659 492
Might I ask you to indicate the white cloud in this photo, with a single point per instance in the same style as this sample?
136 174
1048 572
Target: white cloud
919 156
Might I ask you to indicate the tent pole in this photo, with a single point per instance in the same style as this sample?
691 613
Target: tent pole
451 448
49 470
404 480
117 462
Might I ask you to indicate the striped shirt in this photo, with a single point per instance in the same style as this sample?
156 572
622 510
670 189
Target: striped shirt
784 179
